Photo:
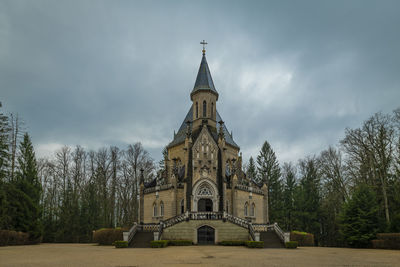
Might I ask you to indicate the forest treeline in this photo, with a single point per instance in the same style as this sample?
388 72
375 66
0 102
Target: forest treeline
344 195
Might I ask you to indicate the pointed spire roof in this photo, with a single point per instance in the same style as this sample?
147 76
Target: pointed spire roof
204 80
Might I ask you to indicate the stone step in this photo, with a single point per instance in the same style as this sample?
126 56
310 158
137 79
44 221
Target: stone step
271 240
142 240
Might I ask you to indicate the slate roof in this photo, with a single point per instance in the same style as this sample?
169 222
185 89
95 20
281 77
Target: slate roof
204 80
181 134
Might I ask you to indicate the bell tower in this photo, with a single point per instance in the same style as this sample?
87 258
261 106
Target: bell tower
204 96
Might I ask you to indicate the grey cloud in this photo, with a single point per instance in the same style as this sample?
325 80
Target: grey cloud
101 73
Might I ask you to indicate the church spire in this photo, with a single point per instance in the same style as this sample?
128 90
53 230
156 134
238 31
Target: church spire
204 80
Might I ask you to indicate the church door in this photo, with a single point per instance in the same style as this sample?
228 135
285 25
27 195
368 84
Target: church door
204 204
205 235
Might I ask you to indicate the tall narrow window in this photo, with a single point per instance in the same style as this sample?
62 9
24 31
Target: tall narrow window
154 210
197 110
182 206
212 110
227 206
161 209
246 207
253 210
204 108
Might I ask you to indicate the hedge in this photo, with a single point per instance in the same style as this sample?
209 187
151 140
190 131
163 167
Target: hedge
11 238
179 242
232 243
387 241
291 244
254 244
121 244
107 236
159 244
303 238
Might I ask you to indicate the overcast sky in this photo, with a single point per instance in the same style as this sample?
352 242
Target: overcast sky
102 73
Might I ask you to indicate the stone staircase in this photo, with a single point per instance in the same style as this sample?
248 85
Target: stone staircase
271 239
142 240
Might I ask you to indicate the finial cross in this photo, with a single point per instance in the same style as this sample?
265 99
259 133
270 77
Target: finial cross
204 44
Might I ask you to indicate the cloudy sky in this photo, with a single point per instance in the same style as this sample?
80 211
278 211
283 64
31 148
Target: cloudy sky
101 73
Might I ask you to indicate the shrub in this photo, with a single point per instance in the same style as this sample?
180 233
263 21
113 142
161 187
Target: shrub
9 238
121 244
179 242
159 243
232 243
107 236
387 241
254 244
303 238
291 244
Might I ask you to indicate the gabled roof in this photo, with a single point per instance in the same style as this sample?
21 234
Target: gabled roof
204 80
181 134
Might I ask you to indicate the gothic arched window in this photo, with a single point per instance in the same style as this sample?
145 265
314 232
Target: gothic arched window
253 210
182 206
227 206
197 110
212 110
154 210
204 108
161 209
246 208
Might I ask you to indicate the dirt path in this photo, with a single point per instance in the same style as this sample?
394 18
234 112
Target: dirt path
93 255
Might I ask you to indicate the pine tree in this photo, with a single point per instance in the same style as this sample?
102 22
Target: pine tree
270 174
289 174
252 170
28 182
359 220
307 198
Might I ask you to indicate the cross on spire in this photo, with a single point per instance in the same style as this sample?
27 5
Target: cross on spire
204 46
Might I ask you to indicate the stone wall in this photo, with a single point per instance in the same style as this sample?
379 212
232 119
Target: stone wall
188 230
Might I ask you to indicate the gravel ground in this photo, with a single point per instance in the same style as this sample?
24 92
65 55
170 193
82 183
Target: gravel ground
93 255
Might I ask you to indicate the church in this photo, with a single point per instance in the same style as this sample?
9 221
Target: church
203 194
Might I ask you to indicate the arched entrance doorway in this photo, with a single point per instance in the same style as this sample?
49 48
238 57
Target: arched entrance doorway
205 204
205 235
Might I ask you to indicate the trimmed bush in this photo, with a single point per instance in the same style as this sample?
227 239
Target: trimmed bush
387 241
291 244
159 243
121 244
254 244
12 238
107 236
304 239
232 243
179 242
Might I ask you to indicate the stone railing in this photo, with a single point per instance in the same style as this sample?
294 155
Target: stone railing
236 220
249 189
206 215
128 236
149 227
157 188
285 237
252 233
176 219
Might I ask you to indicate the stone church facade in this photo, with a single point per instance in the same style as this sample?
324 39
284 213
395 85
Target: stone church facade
203 194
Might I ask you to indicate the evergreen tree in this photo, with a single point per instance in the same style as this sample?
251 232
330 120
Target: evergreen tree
28 182
270 174
307 198
289 174
359 220
252 170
